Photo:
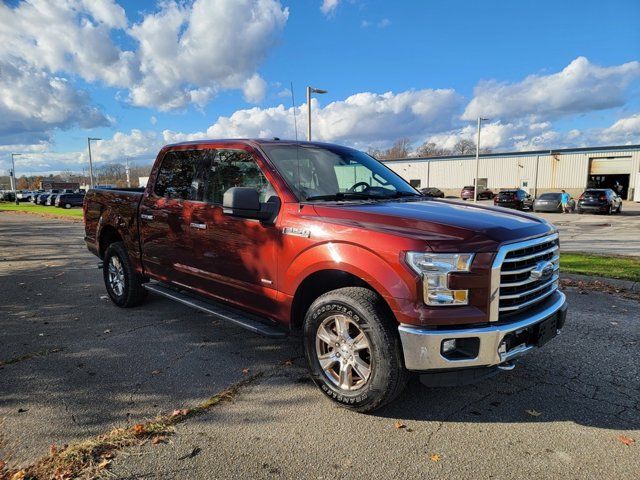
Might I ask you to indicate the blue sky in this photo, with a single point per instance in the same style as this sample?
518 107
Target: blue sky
441 63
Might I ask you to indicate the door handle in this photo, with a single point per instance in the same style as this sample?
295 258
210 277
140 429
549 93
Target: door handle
200 226
144 216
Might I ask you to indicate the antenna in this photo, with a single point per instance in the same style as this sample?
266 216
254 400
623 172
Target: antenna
295 120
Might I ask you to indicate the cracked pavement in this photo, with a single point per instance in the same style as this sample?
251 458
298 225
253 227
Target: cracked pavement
119 367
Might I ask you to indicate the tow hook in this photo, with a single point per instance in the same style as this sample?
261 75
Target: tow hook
507 366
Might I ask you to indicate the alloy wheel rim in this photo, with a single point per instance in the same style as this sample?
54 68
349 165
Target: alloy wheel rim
344 352
116 276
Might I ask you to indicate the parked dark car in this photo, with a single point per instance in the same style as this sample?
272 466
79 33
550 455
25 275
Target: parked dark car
7 196
68 200
603 200
432 192
551 202
516 198
42 198
467 193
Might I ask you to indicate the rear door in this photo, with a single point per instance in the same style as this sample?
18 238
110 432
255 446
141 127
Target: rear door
164 218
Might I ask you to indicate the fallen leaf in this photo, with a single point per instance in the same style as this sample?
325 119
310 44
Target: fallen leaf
245 371
288 363
179 413
614 323
533 413
139 428
626 440
108 330
191 454
22 410
53 450
104 463
156 372
158 440
19 475
435 457
399 425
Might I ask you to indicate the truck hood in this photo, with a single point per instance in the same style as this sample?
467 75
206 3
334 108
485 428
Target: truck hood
445 225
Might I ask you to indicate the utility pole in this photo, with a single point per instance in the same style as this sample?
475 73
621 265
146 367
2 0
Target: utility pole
311 90
475 180
127 171
15 179
89 139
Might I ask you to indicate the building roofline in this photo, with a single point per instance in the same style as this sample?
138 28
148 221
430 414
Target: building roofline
521 153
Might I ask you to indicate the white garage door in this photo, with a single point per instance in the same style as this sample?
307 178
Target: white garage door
610 166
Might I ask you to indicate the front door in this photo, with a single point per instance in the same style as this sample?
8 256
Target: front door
234 257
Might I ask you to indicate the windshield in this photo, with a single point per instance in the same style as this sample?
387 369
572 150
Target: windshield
331 172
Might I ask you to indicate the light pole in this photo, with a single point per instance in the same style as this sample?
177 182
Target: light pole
89 140
311 90
127 171
15 179
475 180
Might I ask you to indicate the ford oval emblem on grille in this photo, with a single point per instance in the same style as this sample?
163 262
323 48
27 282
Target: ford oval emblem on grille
542 271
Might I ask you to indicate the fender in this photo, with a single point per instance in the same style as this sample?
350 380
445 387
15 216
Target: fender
126 229
393 282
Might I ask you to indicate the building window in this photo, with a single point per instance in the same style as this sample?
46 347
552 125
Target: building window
414 183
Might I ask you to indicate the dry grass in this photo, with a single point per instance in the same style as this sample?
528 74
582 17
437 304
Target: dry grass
86 459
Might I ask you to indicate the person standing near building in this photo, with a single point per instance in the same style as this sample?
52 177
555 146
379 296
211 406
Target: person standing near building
564 200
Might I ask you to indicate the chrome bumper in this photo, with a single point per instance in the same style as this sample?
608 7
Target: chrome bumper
422 346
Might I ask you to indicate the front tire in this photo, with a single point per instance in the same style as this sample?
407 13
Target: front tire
353 349
67 206
123 284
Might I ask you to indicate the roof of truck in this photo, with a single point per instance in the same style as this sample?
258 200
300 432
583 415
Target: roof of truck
250 141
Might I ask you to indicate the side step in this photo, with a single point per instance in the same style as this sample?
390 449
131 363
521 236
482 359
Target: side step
229 314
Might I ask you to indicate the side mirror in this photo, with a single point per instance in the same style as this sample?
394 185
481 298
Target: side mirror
244 202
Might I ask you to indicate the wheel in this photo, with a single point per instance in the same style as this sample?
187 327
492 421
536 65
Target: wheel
619 209
353 350
123 284
610 210
67 205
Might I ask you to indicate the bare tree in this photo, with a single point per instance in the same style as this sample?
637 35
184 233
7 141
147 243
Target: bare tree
464 147
430 149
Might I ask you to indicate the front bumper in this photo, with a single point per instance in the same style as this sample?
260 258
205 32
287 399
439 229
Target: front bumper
492 345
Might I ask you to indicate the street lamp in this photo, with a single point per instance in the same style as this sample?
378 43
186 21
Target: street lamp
89 140
15 179
311 90
475 181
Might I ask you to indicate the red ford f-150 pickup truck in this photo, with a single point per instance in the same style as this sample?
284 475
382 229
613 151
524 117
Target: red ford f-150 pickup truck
282 236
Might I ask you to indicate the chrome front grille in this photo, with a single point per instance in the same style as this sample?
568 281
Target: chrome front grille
524 274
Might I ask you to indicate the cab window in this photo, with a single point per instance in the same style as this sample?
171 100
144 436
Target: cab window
178 177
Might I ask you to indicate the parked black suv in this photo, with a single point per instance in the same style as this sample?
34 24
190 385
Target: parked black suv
602 200
68 200
517 198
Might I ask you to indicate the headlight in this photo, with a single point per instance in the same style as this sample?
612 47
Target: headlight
434 269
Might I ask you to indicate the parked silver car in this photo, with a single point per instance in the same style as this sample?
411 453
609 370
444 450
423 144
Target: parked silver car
550 202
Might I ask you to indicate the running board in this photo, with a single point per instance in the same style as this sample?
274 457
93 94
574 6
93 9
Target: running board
229 314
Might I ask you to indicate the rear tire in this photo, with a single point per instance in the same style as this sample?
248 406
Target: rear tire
357 341
123 283
67 205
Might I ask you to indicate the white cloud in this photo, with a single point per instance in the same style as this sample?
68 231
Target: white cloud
329 6
187 54
384 23
254 89
33 103
579 87
624 131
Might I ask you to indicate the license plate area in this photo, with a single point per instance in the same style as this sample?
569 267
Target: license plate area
547 330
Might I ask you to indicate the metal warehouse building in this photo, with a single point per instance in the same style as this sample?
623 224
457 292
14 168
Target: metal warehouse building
572 169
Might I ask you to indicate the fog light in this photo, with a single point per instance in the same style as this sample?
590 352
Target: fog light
448 345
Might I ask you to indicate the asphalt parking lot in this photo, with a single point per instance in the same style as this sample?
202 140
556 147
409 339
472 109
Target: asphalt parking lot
73 366
590 233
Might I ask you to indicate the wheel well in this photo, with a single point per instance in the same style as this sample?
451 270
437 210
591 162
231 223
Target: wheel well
108 235
319 283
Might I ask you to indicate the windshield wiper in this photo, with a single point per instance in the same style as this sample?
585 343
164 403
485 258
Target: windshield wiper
342 196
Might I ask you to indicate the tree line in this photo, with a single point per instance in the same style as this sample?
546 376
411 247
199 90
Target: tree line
403 148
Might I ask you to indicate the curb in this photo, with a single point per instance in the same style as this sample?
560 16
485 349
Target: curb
628 285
